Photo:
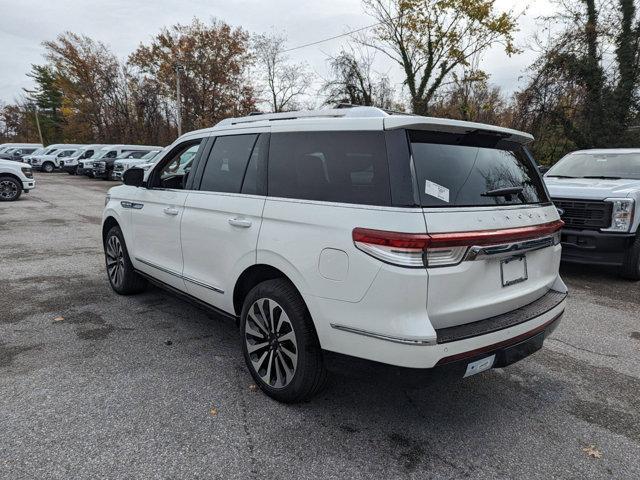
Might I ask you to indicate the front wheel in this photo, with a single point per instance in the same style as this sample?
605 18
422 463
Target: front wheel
631 266
10 189
280 344
48 167
122 276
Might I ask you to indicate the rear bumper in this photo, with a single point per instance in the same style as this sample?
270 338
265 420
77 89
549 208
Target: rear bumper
506 353
448 345
595 247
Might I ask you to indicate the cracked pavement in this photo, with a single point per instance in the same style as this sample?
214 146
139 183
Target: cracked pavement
150 386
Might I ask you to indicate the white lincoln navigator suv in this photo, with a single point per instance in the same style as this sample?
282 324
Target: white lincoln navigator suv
348 237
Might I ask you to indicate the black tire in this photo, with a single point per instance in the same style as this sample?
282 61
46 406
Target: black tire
124 279
10 189
48 167
631 266
309 373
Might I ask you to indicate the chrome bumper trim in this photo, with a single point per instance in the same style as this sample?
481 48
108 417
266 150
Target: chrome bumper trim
388 338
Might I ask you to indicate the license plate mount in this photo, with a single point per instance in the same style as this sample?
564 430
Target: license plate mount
479 366
513 270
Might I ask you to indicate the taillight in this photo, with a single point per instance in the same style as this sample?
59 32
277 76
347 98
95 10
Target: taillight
441 249
403 249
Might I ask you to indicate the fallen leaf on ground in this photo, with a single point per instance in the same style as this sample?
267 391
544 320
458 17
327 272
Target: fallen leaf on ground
592 451
253 387
59 318
213 411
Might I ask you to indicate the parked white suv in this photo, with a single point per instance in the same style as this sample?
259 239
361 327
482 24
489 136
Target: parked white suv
348 234
598 193
15 178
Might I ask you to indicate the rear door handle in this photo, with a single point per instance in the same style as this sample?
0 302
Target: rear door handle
240 222
171 211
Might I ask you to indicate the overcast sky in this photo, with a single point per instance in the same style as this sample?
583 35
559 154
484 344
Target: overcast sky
123 24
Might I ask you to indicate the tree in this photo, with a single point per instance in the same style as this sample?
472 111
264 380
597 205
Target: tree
90 78
431 38
472 98
283 83
353 81
47 98
583 90
214 58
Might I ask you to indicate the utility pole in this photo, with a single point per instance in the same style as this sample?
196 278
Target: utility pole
35 109
178 68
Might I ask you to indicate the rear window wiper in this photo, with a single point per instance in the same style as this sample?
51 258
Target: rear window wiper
602 177
502 192
560 176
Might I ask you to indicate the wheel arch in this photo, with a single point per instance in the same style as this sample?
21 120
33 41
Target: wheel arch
107 225
14 176
251 277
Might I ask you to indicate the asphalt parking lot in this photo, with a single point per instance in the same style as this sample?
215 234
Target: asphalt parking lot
97 385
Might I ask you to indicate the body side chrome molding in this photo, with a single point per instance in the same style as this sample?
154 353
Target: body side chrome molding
202 284
176 274
381 336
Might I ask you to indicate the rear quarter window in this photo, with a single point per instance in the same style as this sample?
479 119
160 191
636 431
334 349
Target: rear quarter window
346 167
469 170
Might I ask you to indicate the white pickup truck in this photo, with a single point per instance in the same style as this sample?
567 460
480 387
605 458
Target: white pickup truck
15 178
598 195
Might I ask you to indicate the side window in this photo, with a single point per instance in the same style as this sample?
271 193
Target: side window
227 163
176 166
347 167
87 154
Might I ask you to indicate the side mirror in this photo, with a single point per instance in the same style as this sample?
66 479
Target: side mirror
133 177
543 169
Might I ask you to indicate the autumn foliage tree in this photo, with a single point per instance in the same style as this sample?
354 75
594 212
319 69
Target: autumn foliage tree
429 39
214 57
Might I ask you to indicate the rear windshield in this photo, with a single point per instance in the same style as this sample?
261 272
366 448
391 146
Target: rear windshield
473 170
601 165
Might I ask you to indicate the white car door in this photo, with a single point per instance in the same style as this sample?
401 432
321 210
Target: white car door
157 212
222 216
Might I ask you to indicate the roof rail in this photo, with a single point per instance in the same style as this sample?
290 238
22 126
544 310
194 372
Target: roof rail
353 111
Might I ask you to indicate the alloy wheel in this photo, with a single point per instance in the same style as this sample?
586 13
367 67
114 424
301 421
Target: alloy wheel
115 260
271 343
8 189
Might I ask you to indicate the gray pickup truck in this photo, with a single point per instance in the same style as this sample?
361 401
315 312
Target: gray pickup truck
598 193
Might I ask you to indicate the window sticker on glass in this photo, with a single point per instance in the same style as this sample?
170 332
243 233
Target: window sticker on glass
435 190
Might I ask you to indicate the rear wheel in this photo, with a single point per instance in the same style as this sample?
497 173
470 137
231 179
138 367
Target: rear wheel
280 344
122 276
10 189
48 167
631 266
